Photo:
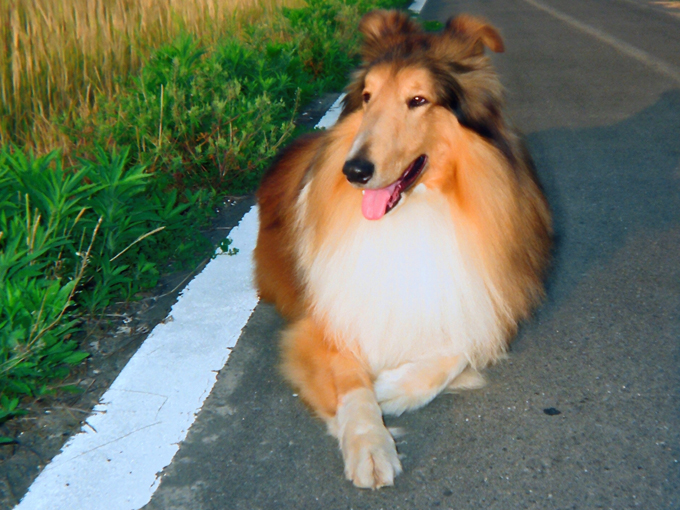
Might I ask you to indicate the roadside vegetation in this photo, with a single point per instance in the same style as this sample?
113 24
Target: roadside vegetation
122 126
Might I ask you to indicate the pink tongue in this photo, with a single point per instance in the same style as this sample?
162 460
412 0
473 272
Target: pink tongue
374 203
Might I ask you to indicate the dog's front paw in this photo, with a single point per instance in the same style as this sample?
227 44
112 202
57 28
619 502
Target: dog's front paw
371 459
368 448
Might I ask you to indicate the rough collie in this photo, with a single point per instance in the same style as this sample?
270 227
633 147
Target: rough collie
405 243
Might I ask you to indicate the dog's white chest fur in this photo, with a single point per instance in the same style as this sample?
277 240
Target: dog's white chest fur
401 288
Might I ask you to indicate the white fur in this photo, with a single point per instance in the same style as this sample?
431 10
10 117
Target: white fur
367 446
469 379
415 384
402 289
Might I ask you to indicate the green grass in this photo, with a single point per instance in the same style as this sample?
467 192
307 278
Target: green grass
144 171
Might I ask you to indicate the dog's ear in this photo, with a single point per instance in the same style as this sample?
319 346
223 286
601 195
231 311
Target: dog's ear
383 30
466 82
475 31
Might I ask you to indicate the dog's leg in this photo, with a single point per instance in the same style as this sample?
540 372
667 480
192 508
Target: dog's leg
414 384
339 389
368 448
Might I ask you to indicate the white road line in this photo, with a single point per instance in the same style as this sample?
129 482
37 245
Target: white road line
641 56
417 6
331 116
136 429
114 462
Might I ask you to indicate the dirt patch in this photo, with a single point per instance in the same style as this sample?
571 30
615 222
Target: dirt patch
111 341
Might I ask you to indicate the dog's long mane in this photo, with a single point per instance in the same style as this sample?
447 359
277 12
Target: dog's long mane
495 212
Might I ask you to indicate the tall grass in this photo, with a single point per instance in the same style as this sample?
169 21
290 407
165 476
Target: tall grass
56 56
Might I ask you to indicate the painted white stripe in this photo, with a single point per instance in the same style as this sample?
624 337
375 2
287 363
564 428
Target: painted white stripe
641 56
417 6
113 463
136 429
331 116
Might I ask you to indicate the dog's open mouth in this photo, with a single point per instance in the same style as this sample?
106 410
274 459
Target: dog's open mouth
378 202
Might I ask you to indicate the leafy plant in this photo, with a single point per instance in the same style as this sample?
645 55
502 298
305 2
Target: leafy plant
70 239
35 296
226 248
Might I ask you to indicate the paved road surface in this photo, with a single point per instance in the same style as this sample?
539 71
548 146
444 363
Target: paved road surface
595 85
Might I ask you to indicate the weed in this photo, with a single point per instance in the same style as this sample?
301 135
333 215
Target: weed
70 241
225 248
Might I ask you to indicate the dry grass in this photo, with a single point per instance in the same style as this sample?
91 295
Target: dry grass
56 55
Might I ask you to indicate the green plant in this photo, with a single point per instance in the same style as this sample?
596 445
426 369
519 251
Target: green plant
197 122
226 248
70 239
40 207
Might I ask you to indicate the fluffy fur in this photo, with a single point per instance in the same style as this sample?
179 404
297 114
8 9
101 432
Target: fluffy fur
387 313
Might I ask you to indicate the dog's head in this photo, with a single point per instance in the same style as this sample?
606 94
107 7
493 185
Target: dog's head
411 85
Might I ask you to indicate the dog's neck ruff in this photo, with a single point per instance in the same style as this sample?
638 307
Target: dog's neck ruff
402 288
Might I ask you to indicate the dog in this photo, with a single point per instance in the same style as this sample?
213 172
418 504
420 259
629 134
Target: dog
405 244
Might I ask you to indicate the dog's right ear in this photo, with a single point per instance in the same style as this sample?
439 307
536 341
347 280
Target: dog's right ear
383 30
477 32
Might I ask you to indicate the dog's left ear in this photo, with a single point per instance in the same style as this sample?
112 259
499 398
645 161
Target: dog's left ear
477 32
382 30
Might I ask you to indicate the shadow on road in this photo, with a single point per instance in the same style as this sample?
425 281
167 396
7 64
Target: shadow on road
605 184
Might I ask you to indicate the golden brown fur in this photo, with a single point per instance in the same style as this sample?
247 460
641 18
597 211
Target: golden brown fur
475 211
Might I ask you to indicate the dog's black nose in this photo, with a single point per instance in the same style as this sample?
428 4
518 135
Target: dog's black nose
358 171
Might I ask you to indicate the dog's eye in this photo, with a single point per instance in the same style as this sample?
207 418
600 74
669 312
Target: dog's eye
366 97
417 101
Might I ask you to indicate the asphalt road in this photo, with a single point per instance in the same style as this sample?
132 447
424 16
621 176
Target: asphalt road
595 86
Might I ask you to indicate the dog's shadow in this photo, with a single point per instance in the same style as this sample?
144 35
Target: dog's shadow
605 184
